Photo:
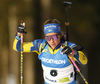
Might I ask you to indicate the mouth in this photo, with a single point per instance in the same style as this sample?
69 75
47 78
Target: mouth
52 44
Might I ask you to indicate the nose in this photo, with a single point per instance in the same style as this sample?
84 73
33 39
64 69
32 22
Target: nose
52 40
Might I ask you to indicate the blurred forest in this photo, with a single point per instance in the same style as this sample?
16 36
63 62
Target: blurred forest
84 18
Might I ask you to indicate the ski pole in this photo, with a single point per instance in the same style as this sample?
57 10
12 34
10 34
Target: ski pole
66 4
78 69
21 65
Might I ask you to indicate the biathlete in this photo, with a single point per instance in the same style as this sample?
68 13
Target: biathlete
53 53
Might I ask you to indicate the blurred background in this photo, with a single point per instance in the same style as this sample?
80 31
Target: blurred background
84 18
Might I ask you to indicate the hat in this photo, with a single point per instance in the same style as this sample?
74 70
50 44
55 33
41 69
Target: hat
52 28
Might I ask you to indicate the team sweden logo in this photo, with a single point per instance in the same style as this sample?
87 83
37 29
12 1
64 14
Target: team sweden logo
50 30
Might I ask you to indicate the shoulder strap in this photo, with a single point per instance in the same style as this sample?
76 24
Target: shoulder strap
44 46
65 43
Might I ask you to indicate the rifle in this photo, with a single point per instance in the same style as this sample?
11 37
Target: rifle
66 5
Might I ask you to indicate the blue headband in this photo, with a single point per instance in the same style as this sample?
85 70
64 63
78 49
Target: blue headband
52 28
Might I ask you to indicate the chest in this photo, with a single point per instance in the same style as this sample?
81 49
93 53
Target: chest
53 58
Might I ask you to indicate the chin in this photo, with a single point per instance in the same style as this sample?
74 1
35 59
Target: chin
53 47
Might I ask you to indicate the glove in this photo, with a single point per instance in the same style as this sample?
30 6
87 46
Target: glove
20 29
67 50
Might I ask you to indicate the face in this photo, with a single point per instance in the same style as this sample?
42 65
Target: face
54 39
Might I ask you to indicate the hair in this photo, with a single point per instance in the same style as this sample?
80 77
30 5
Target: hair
51 21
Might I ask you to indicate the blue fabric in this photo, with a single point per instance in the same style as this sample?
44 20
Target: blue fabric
18 38
36 44
56 60
52 28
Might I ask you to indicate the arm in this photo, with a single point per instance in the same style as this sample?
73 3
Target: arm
34 46
79 56
71 50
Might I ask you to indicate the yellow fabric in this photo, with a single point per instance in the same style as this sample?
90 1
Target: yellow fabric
74 58
82 57
51 50
65 43
14 44
27 46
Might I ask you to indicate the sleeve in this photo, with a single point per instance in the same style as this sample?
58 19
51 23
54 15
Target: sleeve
79 56
34 46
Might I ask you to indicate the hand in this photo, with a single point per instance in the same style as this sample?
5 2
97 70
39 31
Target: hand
67 50
20 29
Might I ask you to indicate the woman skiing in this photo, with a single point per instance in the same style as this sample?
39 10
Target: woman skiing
53 52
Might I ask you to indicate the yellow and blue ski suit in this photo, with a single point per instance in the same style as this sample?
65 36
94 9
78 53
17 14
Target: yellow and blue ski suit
57 68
